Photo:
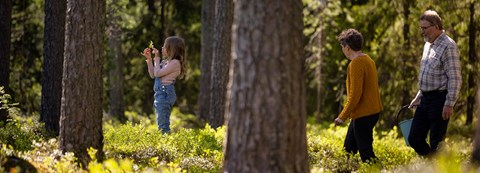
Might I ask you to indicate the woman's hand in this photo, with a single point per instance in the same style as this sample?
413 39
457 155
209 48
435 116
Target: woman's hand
146 53
338 122
156 52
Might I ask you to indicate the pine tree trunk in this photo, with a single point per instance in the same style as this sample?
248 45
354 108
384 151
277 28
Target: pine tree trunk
208 21
55 14
221 61
81 110
476 143
147 106
318 74
117 105
406 96
267 111
5 31
472 59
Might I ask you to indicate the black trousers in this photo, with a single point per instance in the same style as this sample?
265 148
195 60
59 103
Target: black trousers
428 117
360 137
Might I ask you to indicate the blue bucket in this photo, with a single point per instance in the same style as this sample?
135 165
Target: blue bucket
405 126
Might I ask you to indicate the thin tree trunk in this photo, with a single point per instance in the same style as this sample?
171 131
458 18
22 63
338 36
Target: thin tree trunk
81 110
147 107
151 6
55 15
208 20
476 143
267 112
28 55
406 54
161 29
5 31
117 104
221 61
472 59
318 73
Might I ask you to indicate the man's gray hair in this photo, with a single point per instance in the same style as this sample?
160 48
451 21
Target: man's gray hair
432 17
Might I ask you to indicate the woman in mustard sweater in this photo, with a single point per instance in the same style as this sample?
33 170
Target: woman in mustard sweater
363 104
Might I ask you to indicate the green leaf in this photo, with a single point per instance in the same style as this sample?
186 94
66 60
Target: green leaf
150 45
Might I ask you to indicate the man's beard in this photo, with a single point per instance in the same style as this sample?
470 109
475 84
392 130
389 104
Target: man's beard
425 38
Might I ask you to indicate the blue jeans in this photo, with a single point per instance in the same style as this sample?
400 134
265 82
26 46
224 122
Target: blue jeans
164 99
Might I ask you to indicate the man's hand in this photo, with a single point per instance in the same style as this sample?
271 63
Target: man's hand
338 122
415 102
447 112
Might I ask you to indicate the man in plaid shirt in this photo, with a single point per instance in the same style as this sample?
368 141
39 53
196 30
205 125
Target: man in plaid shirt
439 83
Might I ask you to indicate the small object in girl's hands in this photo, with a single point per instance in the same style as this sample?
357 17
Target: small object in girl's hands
150 45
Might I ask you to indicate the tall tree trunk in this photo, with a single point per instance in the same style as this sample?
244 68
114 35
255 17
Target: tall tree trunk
161 29
151 6
147 107
318 72
221 61
81 110
406 54
117 104
208 20
267 112
472 59
26 55
5 31
476 144
55 15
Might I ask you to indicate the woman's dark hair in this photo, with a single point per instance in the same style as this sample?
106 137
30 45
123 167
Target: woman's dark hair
352 38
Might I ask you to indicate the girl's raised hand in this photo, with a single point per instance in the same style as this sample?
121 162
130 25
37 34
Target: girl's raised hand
146 53
155 51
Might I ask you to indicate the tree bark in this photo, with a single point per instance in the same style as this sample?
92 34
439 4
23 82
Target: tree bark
117 104
267 112
406 54
476 143
81 110
221 61
5 36
318 40
147 106
55 15
208 20
472 59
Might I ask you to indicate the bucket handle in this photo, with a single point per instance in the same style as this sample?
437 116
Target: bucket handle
400 112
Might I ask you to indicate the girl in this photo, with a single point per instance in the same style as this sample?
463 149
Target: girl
165 73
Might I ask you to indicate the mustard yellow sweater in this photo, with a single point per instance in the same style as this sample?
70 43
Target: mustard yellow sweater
363 98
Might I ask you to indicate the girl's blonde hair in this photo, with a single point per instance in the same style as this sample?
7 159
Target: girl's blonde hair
175 47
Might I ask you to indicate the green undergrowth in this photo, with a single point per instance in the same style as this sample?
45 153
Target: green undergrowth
19 133
326 154
138 146
194 150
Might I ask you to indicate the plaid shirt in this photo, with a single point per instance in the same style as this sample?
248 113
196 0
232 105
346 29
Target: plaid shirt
440 68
